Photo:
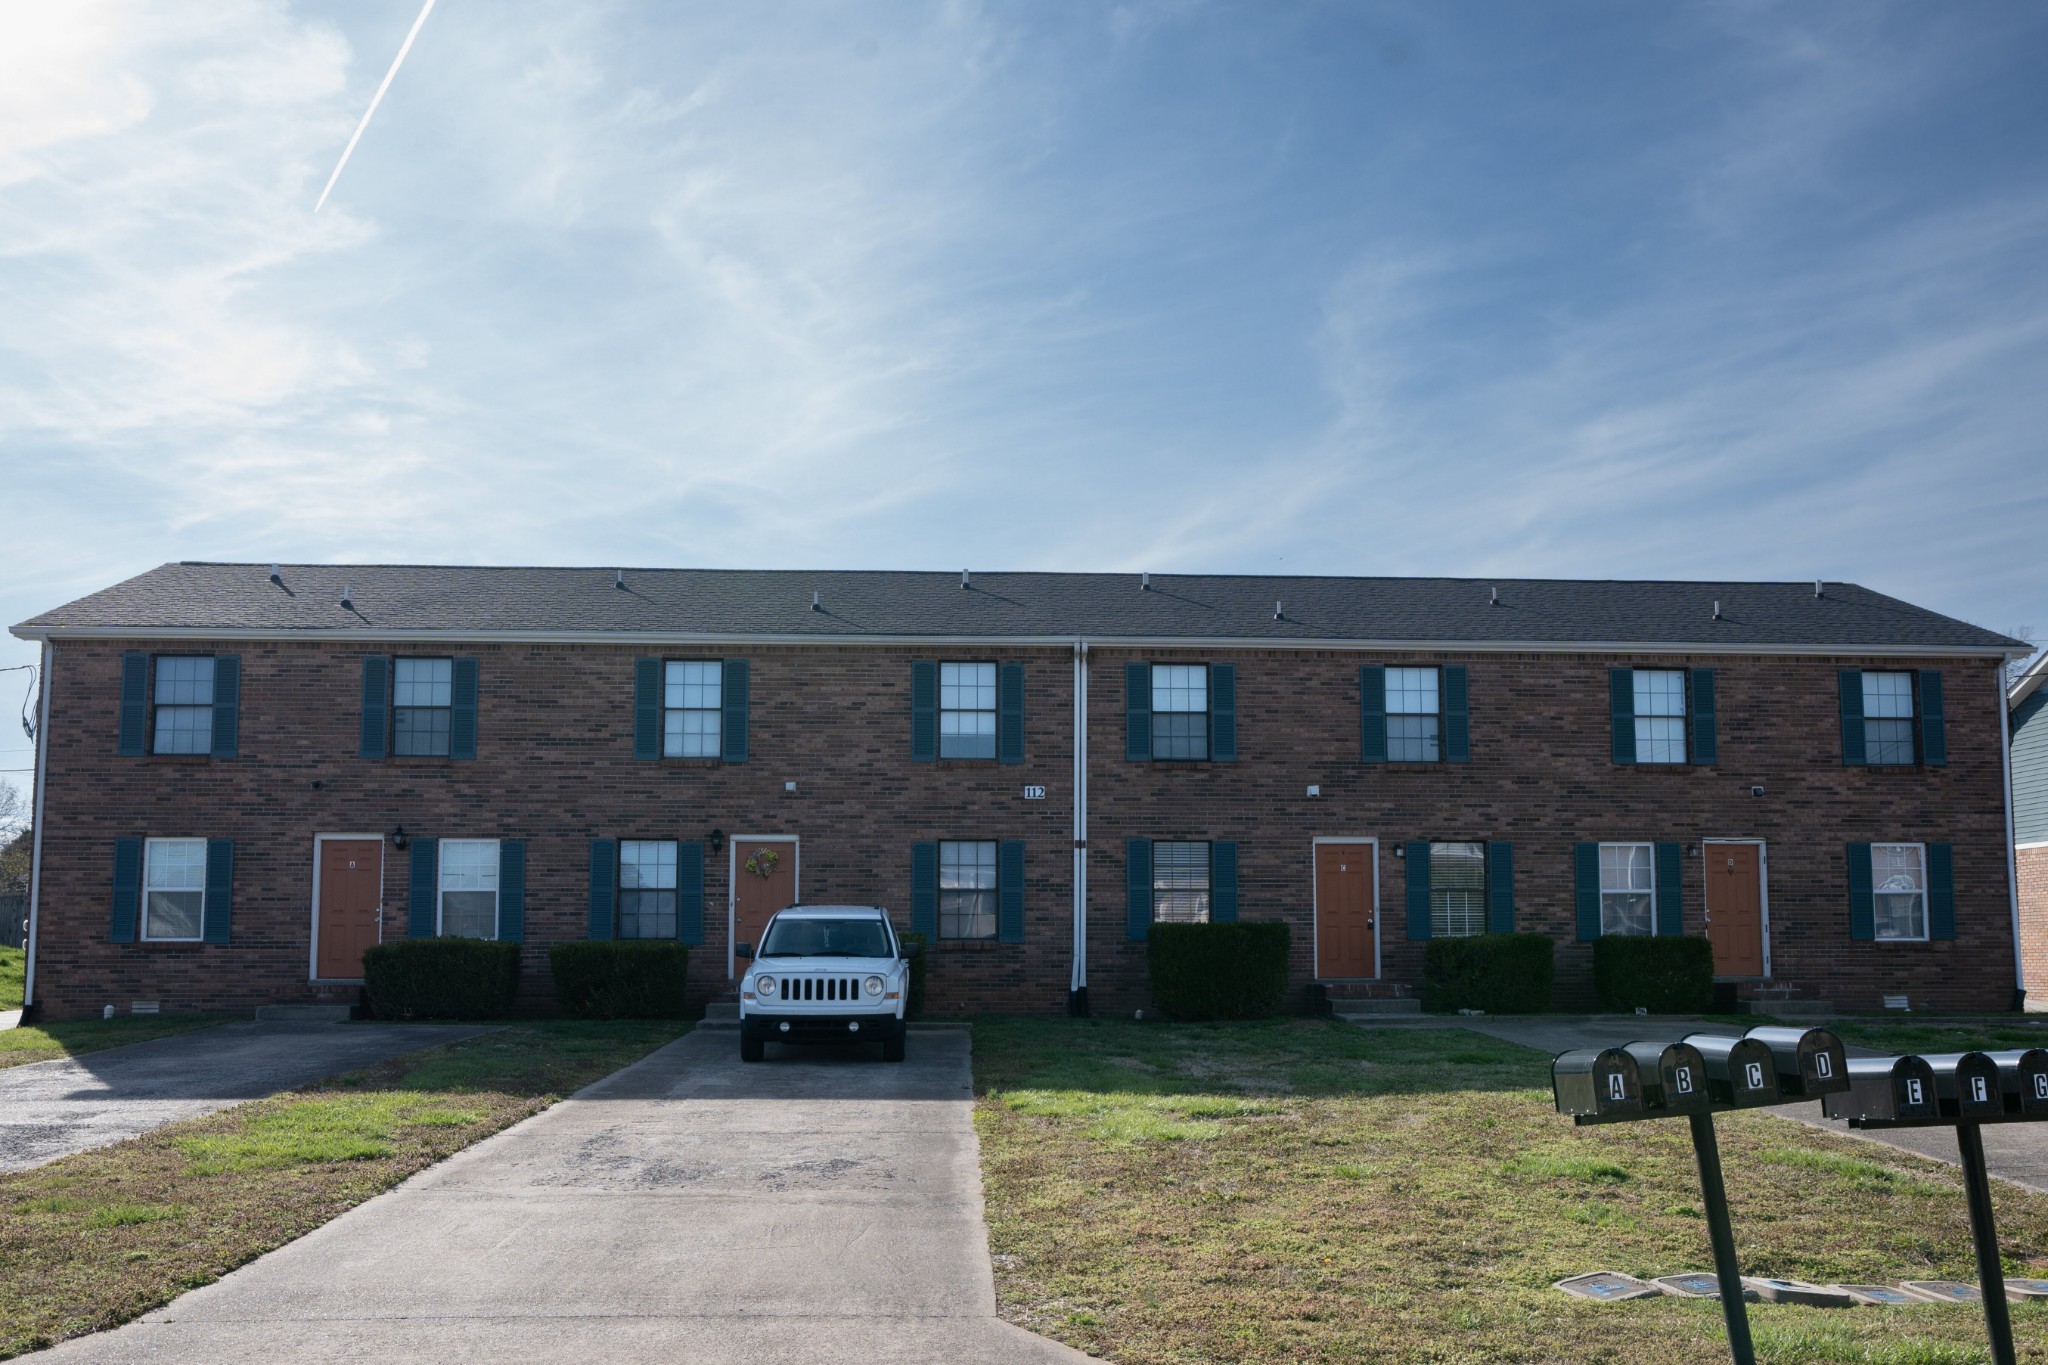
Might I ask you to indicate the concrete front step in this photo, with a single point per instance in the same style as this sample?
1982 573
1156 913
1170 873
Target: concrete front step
1352 1009
302 1014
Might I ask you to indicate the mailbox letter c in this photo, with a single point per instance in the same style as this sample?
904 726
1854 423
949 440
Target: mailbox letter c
1755 1072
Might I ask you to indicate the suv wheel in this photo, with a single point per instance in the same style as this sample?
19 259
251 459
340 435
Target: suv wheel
752 1049
892 1049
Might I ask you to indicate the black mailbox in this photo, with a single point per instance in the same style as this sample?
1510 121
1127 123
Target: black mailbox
1887 1089
1968 1085
1674 1077
1740 1071
2024 1078
1597 1083
1810 1062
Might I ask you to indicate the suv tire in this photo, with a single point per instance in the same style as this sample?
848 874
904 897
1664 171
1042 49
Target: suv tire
752 1049
892 1049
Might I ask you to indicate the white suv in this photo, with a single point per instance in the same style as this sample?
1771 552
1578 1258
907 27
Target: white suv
825 974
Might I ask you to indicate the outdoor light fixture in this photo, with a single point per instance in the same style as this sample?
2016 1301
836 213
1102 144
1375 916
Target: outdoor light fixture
718 841
398 839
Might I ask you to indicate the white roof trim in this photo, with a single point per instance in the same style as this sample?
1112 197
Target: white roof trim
2029 683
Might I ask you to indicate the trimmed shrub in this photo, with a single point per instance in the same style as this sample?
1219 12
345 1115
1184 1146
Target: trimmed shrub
1662 975
635 979
441 978
914 1006
1498 973
1218 971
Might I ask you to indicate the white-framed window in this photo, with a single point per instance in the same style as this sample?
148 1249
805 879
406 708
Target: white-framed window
1887 718
647 888
967 710
469 888
1180 714
1628 889
967 888
1180 883
692 703
1457 890
173 890
1660 715
422 698
1414 715
183 698
1898 877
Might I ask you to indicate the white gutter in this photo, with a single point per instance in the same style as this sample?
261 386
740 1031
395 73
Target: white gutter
1079 979
2012 859
35 869
1190 642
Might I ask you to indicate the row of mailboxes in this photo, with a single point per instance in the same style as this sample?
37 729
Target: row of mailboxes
1700 1073
1984 1087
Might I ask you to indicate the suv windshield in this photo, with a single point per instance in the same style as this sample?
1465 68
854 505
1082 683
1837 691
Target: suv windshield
826 938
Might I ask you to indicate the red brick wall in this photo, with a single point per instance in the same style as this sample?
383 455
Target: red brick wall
555 769
2033 885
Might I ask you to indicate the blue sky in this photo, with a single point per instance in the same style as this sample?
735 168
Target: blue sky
1611 290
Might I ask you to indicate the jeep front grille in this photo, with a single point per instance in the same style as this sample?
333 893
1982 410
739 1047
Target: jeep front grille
820 988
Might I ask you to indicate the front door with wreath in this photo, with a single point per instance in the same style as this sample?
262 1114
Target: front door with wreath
764 880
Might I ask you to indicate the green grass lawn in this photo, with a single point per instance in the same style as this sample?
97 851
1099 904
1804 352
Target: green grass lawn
1300 1190
13 968
42 1042
96 1239
1895 1034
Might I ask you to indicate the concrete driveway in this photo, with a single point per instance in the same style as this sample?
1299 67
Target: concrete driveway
52 1109
819 1207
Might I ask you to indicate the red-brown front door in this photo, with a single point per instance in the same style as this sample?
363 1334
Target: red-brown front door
351 890
1735 907
763 881
1346 940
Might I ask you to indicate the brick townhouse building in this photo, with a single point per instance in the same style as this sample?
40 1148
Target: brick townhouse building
2028 703
249 773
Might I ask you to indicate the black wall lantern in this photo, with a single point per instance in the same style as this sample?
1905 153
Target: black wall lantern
717 841
398 839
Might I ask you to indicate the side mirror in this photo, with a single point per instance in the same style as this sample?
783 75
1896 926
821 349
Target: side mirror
743 951
912 951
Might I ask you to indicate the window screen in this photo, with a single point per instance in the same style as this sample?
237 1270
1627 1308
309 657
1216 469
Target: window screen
1457 890
1660 715
647 888
469 888
967 889
1180 711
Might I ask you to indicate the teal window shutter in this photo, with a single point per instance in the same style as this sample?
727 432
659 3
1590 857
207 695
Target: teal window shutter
462 709
1457 716
512 890
423 889
1851 683
1010 713
227 704
376 726
1223 882
127 890
924 711
1862 893
924 889
1706 744
1621 708
220 889
733 711
690 891
1010 891
1586 889
1926 715
1223 712
1138 884
604 889
1418 890
1372 714
1941 891
1138 716
1500 887
646 708
1670 890
134 715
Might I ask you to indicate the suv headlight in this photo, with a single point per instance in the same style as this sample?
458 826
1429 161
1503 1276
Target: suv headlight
873 985
764 985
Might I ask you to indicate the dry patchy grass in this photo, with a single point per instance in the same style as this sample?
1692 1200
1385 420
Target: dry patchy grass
1307 1191
69 1038
96 1239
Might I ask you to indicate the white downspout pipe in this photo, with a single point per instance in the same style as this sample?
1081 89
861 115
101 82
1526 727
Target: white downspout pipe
2012 864
35 870
1078 982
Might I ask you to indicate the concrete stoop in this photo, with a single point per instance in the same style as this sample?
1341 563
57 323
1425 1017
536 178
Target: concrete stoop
1348 1010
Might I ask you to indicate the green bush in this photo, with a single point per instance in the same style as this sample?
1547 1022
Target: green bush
639 979
1218 971
441 978
1662 975
1498 973
914 1006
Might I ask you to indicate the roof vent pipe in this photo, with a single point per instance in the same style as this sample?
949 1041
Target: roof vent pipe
275 576
618 578
346 603
1817 589
1279 613
1717 609
963 578
1144 582
816 605
1493 597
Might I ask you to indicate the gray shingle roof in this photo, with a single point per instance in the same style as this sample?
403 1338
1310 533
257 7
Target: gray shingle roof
395 599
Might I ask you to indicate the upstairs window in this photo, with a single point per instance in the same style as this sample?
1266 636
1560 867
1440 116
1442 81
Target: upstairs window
1628 890
1887 718
184 706
174 889
1414 716
693 698
1660 715
1899 878
967 711
422 699
469 887
1180 883
647 888
1457 890
967 889
1180 713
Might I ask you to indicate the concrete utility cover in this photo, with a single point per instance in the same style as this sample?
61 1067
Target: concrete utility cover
2018 1290
1878 1295
1696 1285
53 1109
1608 1286
1797 1291
821 1207
1945 1291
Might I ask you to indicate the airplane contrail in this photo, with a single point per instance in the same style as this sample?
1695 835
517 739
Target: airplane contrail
375 100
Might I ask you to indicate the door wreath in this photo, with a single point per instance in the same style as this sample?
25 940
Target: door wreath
762 862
